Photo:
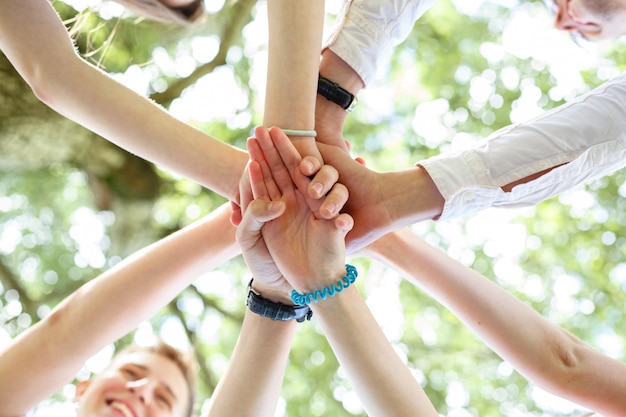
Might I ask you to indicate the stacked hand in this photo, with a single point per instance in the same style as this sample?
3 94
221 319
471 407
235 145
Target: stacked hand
281 233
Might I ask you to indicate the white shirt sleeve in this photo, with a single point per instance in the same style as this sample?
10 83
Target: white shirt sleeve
366 31
586 137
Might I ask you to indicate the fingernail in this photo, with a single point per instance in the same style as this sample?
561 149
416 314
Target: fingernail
330 208
307 166
317 189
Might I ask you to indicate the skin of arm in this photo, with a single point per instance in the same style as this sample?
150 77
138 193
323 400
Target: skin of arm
546 354
294 47
263 345
329 117
256 368
262 349
310 252
107 308
379 202
34 39
258 363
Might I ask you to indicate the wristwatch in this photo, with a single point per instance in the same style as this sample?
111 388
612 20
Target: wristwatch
335 93
276 311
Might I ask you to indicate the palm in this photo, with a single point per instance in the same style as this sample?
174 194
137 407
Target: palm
298 234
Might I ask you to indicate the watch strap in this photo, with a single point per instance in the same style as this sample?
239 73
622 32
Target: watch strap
276 311
335 93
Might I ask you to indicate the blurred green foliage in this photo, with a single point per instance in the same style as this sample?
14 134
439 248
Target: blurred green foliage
573 246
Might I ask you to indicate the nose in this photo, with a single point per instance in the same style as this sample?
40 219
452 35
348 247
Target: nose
563 21
141 389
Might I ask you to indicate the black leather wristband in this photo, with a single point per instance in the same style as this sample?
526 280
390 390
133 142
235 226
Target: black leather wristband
335 93
276 311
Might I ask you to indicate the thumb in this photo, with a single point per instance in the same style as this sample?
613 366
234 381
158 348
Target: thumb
262 211
258 213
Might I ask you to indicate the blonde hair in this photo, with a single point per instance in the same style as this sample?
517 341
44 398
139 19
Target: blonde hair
155 10
185 361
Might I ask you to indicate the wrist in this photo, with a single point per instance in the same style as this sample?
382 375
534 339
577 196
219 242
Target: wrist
280 293
275 311
410 196
336 306
338 70
341 281
329 122
306 146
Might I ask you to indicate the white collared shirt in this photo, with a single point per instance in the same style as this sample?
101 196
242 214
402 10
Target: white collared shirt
586 137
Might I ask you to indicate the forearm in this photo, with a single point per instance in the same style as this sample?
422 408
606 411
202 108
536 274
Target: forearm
295 38
329 116
136 124
410 196
34 39
145 282
549 154
384 384
546 354
256 368
108 307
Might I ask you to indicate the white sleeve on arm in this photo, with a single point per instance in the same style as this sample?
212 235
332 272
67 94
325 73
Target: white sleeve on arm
587 136
366 31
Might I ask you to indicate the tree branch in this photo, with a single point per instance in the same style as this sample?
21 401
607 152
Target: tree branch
241 16
10 281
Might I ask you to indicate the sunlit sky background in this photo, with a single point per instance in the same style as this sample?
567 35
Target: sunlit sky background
528 34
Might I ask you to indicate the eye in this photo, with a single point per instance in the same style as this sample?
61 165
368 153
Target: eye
130 373
164 401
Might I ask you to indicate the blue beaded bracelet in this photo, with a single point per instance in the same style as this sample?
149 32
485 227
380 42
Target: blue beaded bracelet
330 291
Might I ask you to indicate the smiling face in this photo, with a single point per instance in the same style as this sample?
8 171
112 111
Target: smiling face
590 19
136 384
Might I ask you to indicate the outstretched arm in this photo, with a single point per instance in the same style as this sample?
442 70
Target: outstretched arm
107 308
546 354
258 363
294 45
34 39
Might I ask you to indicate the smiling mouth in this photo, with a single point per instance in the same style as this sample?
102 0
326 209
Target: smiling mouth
121 407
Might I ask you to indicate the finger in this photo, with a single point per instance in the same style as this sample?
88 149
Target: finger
334 202
278 170
235 215
344 222
254 149
259 212
286 150
264 211
360 160
257 181
323 181
310 165
245 192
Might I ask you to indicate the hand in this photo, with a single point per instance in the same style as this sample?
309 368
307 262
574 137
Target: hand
367 200
268 280
309 251
325 176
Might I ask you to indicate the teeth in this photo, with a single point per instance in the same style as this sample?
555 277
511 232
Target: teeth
123 408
